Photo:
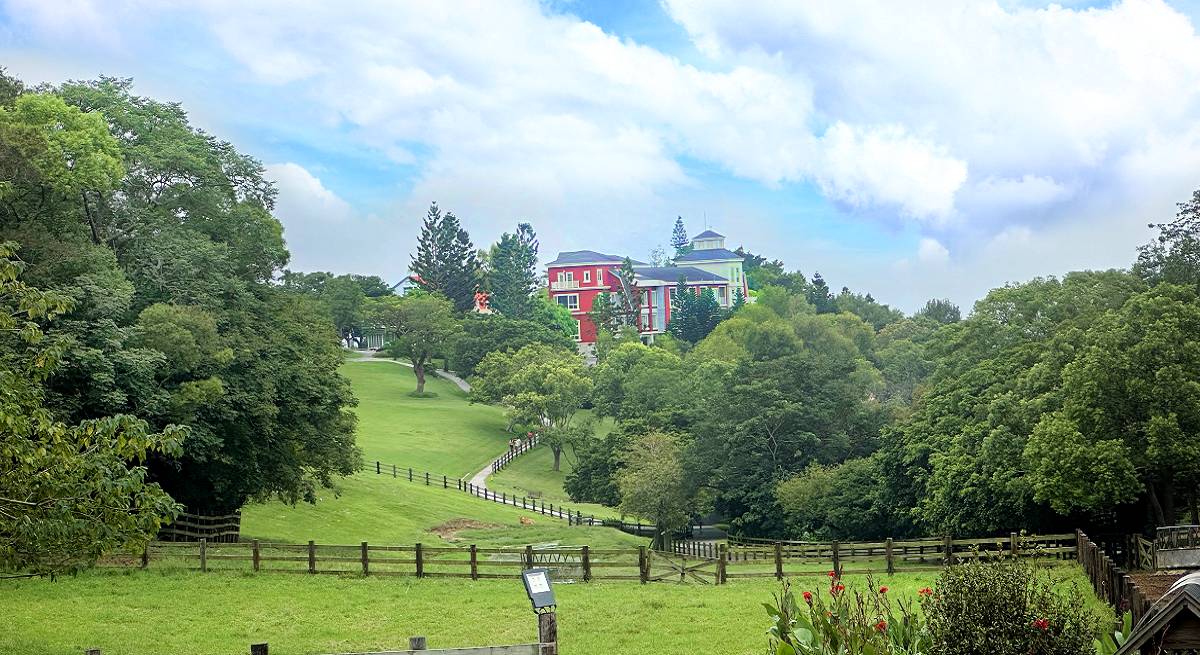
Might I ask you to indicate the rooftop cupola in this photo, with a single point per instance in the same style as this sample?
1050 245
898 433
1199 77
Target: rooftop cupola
708 240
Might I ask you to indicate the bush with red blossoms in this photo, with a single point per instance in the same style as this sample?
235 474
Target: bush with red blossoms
835 621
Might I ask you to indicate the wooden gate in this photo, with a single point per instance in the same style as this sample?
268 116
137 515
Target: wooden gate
662 566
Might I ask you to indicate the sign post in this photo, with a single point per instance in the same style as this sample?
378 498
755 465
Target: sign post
541 596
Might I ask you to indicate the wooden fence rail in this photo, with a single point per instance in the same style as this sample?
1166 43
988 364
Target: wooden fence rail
705 563
1110 582
439 480
520 448
192 527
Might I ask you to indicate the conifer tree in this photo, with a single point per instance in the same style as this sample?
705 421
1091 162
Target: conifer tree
512 272
446 261
679 238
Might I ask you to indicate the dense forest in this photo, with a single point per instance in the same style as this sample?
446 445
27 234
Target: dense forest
1057 403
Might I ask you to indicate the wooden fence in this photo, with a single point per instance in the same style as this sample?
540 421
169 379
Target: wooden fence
193 527
1110 582
522 446
715 565
573 517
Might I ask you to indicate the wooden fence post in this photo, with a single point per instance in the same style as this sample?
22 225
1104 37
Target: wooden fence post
643 574
445 483
474 563
529 557
1014 544
420 563
203 555
416 643
92 651
377 467
426 478
548 633
256 555
393 470
778 561
366 568
837 559
312 556
947 551
891 558
255 649
410 474
721 563
587 564
146 556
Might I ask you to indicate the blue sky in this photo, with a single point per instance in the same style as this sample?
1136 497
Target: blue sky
928 150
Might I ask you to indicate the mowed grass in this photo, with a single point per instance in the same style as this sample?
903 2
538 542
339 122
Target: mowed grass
145 613
445 435
392 511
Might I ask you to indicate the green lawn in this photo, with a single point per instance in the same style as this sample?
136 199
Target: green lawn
144 613
445 434
383 510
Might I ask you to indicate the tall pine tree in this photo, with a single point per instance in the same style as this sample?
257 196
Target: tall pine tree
446 261
679 238
512 272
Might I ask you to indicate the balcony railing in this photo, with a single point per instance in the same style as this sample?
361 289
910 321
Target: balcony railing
564 285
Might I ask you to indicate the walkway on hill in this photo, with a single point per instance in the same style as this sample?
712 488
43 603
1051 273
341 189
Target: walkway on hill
369 356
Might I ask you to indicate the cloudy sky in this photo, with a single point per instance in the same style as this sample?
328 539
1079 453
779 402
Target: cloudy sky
912 150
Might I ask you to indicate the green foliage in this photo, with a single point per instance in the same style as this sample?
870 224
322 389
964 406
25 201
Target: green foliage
619 309
941 311
1109 641
1007 608
679 238
446 261
68 493
694 314
512 275
552 315
594 477
651 483
841 501
847 623
877 315
485 333
1174 255
422 326
819 296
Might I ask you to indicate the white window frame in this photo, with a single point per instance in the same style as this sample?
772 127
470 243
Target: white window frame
599 276
578 330
568 296
587 277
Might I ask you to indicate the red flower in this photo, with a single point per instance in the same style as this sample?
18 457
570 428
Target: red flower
881 626
837 589
883 590
833 574
925 591
808 597
1041 624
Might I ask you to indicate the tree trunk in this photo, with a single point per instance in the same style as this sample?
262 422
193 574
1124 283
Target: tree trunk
1159 517
557 450
419 371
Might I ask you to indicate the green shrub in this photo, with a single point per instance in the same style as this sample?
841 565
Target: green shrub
1007 608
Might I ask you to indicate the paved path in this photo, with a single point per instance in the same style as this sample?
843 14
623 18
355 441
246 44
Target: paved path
368 356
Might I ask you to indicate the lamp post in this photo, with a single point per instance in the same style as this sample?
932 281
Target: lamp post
541 597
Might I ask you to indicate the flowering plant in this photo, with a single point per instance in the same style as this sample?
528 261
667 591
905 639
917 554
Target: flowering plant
839 623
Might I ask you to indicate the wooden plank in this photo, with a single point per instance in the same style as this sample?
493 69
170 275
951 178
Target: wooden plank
515 649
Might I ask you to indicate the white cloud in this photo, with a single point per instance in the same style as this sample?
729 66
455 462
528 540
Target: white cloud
929 251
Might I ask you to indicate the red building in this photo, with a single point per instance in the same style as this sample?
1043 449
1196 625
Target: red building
576 277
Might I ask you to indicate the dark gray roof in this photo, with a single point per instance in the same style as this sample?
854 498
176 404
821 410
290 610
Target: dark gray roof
703 255
708 234
673 273
586 257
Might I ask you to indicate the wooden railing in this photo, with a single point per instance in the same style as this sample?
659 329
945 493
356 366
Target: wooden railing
573 517
522 446
193 527
1178 536
1110 582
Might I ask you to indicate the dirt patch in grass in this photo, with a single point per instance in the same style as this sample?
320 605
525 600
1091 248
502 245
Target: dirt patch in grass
1155 584
450 529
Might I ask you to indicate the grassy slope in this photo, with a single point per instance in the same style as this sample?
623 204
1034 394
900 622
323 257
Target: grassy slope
443 435
533 475
140 613
379 509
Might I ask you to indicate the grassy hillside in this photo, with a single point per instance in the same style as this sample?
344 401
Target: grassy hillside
445 434
383 510
533 475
